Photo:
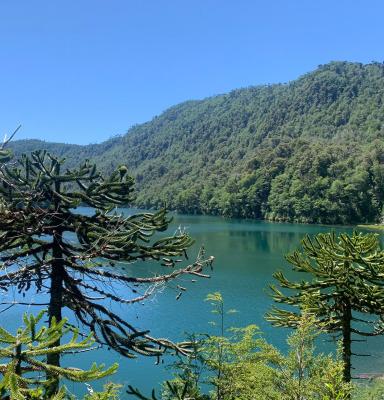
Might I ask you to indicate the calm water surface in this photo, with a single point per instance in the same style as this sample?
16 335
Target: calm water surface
246 254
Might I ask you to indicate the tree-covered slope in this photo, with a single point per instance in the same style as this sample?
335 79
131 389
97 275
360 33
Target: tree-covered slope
308 151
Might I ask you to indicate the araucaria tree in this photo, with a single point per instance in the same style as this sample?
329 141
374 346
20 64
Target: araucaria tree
346 280
25 356
49 245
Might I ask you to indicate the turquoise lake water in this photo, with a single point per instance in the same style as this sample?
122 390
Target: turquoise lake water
246 254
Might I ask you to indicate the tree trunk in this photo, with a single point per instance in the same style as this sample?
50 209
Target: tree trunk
347 352
55 303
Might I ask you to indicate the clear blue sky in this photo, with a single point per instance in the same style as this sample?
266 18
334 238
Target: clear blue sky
80 71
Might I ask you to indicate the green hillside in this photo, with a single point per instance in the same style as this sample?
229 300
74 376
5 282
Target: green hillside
308 151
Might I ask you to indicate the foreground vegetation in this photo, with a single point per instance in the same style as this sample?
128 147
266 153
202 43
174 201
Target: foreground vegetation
237 364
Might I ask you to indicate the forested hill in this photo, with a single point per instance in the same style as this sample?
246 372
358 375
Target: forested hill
308 151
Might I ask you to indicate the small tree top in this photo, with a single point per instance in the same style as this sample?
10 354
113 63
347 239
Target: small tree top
25 355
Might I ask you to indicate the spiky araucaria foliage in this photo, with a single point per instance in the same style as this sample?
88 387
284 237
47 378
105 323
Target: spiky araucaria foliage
26 352
345 279
49 246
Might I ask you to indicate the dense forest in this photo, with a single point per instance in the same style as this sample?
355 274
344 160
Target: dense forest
307 151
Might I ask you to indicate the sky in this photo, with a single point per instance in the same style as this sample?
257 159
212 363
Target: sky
82 71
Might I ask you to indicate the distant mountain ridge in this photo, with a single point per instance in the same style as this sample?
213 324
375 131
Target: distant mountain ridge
308 151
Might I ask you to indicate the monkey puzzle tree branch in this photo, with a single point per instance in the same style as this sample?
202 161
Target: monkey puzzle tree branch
47 243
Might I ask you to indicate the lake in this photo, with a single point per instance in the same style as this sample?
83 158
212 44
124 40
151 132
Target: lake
246 254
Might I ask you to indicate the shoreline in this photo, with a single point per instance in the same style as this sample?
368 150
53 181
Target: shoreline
375 227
